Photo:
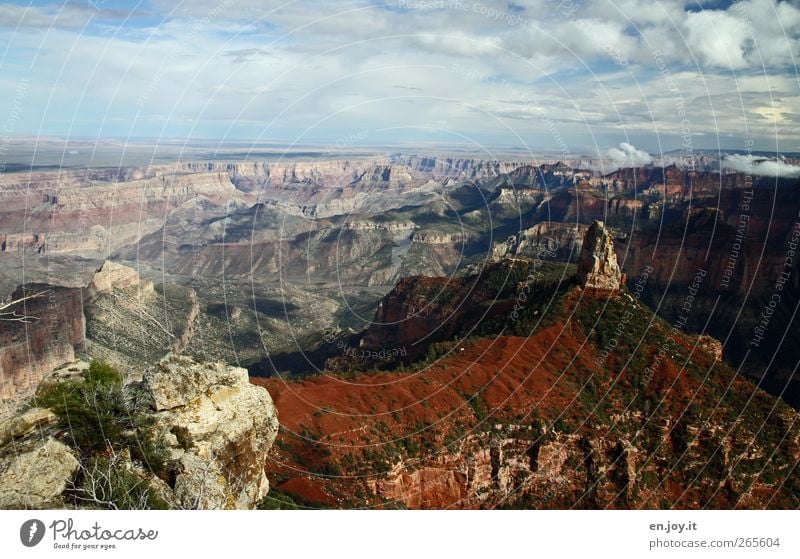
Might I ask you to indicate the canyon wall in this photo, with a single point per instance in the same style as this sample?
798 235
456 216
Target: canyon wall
29 350
92 219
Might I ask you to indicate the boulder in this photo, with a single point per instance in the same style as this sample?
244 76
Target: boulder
219 429
34 473
598 267
177 381
25 423
711 345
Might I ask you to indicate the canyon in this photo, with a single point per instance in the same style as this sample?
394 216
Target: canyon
434 331
336 235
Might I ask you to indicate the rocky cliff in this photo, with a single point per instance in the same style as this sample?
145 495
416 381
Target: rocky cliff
739 244
136 324
219 429
54 325
115 316
90 219
98 213
421 311
676 182
549 239
191 435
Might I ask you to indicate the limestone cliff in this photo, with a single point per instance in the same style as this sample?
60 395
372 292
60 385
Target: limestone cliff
93 219
543 240
55 326
219 429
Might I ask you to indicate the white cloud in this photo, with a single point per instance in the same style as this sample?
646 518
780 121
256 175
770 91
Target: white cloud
718 38
760 166
628 156
459 44
592 71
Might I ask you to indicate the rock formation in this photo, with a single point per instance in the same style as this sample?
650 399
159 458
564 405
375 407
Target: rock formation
545 241
542 419
512 464
597 266
90 219
25 423
488 440
214 427
219 429
113 275
56 326
34 473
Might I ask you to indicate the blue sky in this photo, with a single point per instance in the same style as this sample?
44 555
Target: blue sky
576 76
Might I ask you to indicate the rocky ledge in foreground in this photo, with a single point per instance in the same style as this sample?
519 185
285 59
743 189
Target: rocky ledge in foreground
190 435
219 429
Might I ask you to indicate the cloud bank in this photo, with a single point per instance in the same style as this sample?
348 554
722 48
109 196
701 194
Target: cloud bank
628 156
760 166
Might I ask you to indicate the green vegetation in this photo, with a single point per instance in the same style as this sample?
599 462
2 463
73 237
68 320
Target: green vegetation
478 406
103 421
276 500
93 409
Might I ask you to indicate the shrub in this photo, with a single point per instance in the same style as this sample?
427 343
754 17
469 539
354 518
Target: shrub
109 484
103 420
151 451
275 500
90 409
102 373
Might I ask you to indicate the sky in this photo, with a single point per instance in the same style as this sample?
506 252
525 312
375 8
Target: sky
571 76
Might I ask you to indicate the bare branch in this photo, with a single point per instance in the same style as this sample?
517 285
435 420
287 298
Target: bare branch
8 315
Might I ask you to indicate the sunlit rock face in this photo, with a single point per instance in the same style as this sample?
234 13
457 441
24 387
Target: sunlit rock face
598 267
219 429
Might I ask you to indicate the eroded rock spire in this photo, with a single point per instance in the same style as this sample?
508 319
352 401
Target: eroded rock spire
597 266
